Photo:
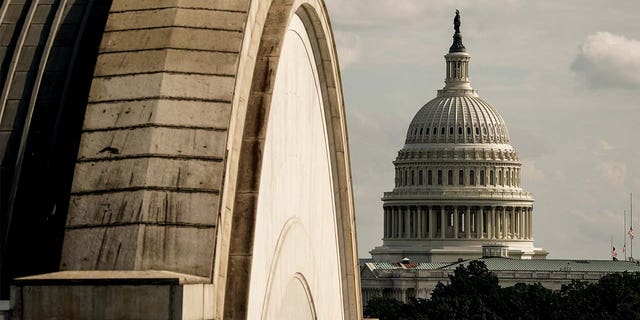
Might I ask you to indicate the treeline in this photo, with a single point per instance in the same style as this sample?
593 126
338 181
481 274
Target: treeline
474 292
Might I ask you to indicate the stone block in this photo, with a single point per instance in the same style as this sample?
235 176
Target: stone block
144 206
12 15
174 37
140 295
150 173
100 248
221 63
230 5
42 14
7 32
193 303
153 141
161 112
35 34
132 87
181 249
12 109
176 17
27 59
21 85
174 60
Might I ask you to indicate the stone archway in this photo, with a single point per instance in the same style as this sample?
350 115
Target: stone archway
307 20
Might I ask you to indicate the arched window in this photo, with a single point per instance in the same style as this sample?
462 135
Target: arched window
492 179
477 130
439 177
450 177
442 131
468 131
451 131
413 177
427 132
500 181
461 177
429 177
435 131
420 178
420 131
460 130
482 177
472 178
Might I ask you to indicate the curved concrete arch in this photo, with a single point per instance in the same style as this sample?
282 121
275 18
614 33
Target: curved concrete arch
251 124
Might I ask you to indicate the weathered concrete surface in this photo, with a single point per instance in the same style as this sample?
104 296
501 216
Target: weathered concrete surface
150 163
112 295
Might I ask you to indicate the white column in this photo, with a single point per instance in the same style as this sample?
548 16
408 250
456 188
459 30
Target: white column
513 222
443 222
480 220
521 223
456 222
530 223
417 227
406 222
386 222
432 227
394 222
494 224
467 223
503 223
419 221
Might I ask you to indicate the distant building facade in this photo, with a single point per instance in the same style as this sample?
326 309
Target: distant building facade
403 281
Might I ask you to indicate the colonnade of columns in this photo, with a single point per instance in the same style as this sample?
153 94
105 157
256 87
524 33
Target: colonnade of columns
458 222
395 293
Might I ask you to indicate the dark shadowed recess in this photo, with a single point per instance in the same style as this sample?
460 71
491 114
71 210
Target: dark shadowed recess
39 172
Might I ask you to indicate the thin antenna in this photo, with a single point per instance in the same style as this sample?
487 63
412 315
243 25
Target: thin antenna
631 208
625 235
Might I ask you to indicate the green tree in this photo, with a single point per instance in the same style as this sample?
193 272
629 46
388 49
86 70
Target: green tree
467 295
384 308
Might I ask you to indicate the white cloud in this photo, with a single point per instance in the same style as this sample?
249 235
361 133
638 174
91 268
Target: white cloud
371 13
605 145
531 172
368 13
606 60
349 48
614 173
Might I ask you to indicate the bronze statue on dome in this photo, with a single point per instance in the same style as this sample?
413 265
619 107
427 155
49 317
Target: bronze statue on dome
456 21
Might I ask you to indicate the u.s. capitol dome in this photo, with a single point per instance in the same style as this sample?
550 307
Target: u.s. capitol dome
457 191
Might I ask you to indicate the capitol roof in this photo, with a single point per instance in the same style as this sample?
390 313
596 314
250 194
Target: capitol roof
508 264
464 118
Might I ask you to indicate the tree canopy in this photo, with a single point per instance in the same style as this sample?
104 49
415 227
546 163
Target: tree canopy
474 292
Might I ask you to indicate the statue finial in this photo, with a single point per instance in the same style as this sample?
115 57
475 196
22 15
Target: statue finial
457 37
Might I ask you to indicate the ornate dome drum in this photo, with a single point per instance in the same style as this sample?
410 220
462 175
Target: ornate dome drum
457 180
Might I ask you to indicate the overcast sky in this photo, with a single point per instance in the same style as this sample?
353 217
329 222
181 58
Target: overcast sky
565 75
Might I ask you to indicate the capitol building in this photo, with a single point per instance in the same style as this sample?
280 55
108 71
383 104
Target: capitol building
457 180
458 197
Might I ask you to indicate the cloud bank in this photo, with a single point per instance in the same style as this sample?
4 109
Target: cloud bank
606 60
